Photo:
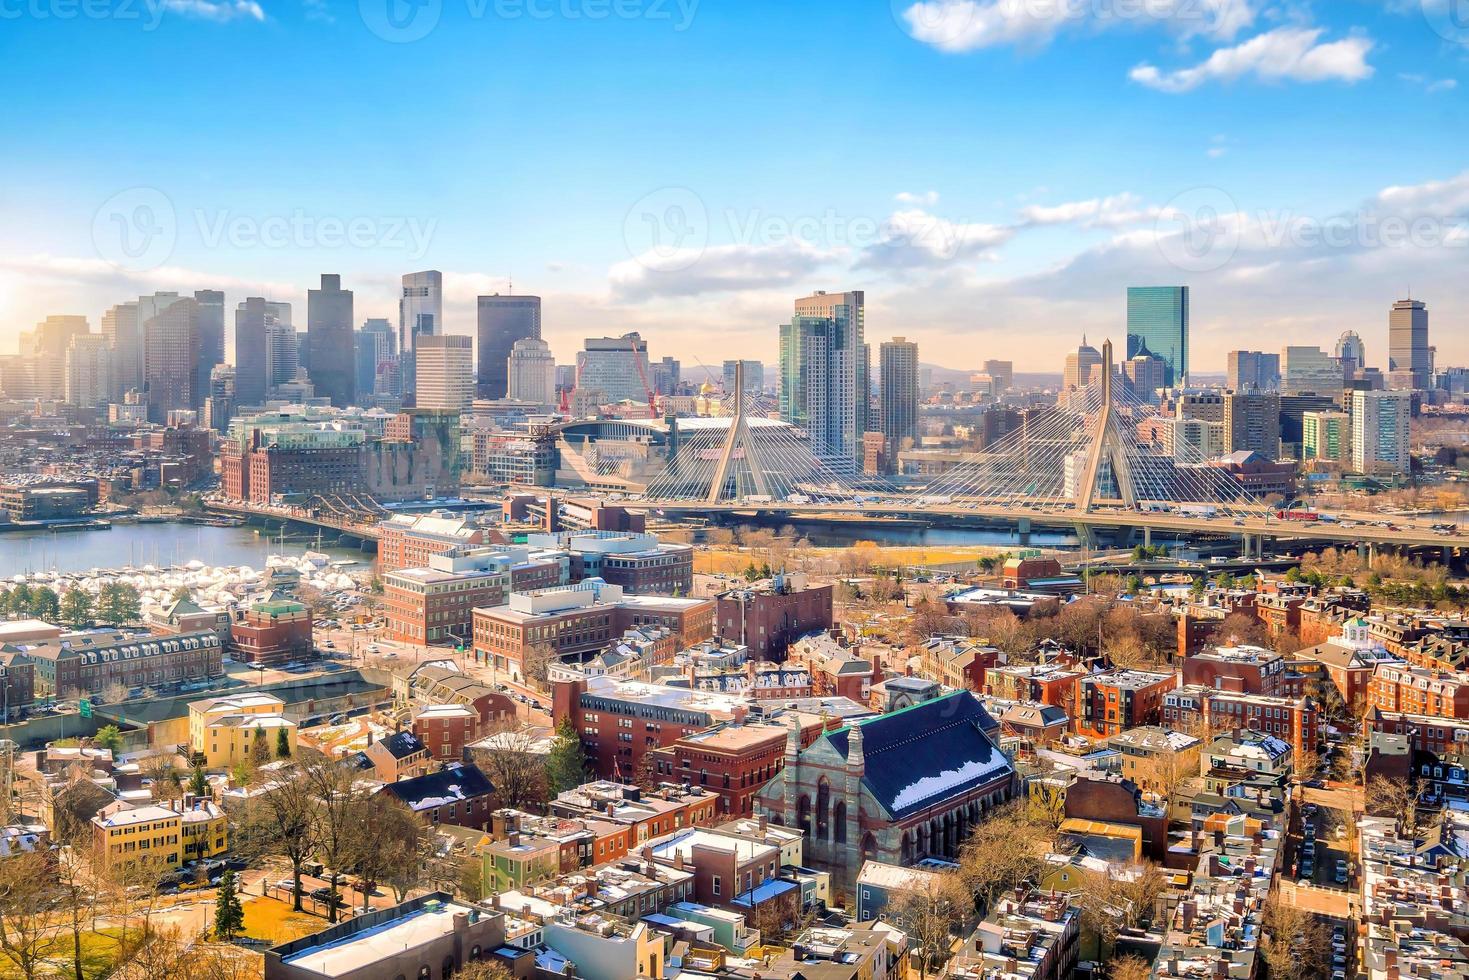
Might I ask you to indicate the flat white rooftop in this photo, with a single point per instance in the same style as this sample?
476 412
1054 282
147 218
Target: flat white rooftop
417 928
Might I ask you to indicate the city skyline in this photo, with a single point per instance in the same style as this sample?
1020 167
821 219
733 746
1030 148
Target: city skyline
952 214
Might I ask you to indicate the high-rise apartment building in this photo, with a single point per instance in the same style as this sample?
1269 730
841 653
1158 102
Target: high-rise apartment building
46 345
1327 436
1380 421
1409 358
120 327
532 371
1157 321
1309 370
1252 422
754 376
444 372
824 358
502 320
615 366
252 351
211 340
88 370
1252 369
332 363
420 314
898 402
171 353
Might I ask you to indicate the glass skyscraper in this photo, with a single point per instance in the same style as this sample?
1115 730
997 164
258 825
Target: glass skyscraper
1157 322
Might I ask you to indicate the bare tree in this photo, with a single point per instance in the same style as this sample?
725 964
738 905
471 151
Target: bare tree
30 903
1293 942
1001 853
517 773
1129 968
282 818
930 915
338 819
1120 898
387 846
535 663
482 970
1391 797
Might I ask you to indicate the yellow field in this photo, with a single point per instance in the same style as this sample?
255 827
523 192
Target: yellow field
275 922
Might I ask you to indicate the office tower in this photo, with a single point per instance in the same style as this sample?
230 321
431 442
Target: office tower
252 351
1409 358
46 345
1002 375
1146 375
1252 369
219 406
88 370
420 314
1079 364
374 350
120 327
501 321
332 366
171 353
1252 422
1380 421
532 371
444 372
211 339
1351 352
898 403
667 373
824 385
1327 436
1207 406
615 366
1157 321
754 376
1309 370
1293 409
282 352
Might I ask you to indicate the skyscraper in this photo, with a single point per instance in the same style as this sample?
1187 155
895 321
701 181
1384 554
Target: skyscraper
1157 321
333 363
171 343
1380 421
824 360
754 376
1309 370
615 366
1252 422
1351 352
374 350
420 314
1252 369
502 320
211 340
532 370
47 345
444 372
898 403
1409 358
120 327
252 352
1078 371
1002 374
283 353
88 370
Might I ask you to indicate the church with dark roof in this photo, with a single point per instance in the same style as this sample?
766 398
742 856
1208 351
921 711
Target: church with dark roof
895 788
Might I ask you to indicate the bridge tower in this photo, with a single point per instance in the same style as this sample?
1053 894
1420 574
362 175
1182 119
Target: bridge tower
738 444
1106 443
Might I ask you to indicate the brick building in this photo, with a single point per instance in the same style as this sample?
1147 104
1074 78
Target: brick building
459 795
1241 669
435 602
87 662
1114 701
272 630
770 616
577 620
1297 720
646 813
731 761
1419 691
445 729
409 540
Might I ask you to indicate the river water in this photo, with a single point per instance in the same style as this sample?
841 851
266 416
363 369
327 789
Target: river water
150 544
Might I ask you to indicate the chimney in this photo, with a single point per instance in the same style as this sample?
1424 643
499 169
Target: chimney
741 712
763 823
461 921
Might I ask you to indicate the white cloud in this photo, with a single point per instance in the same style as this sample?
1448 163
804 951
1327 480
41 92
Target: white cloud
318 10
1286 53
715 269
925 199
1115 211
219 11
968 25
917 239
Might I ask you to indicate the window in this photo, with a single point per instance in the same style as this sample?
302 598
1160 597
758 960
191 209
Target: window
716 884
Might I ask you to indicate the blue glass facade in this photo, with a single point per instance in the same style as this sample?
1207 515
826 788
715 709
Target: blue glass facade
1157 321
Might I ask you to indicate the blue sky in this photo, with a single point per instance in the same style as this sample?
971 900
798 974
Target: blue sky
993 172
